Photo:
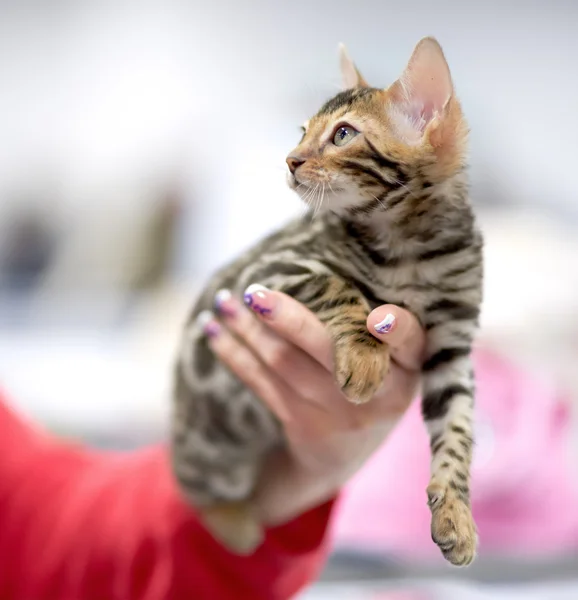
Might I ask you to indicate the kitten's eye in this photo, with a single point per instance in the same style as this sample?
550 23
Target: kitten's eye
344 135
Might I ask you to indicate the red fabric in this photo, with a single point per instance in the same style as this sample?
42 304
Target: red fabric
80 525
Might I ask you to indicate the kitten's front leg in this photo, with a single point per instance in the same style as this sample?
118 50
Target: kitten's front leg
361 362
447 406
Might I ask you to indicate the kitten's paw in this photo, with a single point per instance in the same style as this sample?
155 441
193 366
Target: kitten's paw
234 525
360 368
452 526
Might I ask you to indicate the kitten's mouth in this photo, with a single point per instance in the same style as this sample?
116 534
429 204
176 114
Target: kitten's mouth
294 183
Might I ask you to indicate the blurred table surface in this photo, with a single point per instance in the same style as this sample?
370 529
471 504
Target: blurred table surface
440 590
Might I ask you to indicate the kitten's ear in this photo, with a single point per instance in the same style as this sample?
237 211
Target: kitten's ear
350 76
424 90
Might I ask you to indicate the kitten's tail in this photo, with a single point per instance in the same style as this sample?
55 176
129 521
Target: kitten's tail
235 525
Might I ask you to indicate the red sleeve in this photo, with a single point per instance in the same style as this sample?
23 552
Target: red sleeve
92 525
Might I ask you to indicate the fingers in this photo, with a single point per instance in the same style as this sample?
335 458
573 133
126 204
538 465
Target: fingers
394 325
270 355
292 364
292 321
247 366
299 416
295 323
401 331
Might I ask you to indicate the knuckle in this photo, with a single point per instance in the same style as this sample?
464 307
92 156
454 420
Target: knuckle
247 327
248 371
234 355
298 324
277 356
221 345
236 363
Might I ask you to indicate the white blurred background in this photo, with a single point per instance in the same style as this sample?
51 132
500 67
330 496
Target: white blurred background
142 144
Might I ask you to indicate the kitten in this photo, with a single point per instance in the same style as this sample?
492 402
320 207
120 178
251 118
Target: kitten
396 227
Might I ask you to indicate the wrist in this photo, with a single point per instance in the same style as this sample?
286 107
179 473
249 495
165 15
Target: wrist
287 489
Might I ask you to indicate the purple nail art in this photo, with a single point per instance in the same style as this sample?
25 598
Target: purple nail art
386 325
221 306
212 329
208 324
251 299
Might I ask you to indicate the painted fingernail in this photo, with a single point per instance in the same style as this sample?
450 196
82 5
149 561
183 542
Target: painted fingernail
386 325
258 300
224 303
209 325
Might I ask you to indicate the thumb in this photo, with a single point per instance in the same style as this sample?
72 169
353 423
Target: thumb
401 331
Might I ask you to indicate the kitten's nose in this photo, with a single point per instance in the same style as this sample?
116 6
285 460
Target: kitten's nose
293 162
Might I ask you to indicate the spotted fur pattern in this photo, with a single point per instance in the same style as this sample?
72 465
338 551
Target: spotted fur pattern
395 226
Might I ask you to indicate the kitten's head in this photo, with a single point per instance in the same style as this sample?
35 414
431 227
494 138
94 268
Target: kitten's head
368 148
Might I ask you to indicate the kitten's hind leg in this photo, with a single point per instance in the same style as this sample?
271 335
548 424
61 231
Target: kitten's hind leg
235 525
447 407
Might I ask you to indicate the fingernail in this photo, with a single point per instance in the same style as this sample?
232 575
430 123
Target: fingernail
257 298
386 325
207 322
224 303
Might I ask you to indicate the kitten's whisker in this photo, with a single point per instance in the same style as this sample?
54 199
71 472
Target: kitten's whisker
316 201
321 194
402 185
306 200
311 194
322 197
317 198
305 206
308 197
379 200
306 193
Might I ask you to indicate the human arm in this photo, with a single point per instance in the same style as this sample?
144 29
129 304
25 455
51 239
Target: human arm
77 523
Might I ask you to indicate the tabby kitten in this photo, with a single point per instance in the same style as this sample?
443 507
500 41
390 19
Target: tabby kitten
396 227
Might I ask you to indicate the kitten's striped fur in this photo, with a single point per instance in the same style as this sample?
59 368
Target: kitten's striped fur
396 227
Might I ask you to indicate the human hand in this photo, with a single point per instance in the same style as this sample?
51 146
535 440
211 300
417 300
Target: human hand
284 355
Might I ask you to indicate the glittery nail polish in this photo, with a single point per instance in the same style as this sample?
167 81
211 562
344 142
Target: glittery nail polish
208 324
222 303
212 329
386 325
257 299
